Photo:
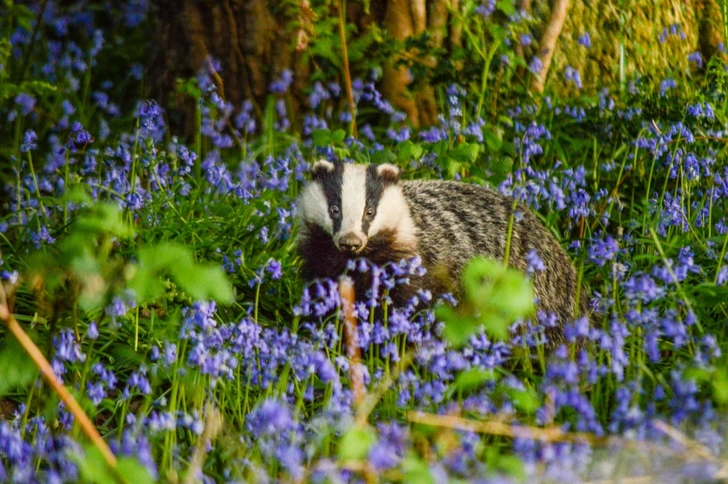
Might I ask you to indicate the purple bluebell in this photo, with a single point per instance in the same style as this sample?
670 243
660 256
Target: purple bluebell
585 40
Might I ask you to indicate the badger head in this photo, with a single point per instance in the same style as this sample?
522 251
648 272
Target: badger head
353 203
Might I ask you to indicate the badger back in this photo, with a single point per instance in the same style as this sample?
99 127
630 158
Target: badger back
458 221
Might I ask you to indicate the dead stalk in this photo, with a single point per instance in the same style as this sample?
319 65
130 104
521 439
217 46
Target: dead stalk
351 340
47 371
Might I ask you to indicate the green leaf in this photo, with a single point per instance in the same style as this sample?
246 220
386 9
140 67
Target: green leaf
720 386
92 466
495 297
468 380
409 151
493 139
416 471
133 471
466 153
507 463
339 136
104 218
506 6
383 156
17 369
77 193
199 281
145 283
512 295
458 327
524 400
356 442
204 282
321 137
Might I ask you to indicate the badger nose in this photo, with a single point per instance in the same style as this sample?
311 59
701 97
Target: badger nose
350 242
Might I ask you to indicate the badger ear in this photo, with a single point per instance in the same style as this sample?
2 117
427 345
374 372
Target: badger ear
322 168
388 172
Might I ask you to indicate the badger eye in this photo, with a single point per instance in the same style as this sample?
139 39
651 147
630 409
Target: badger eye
370 212
334 209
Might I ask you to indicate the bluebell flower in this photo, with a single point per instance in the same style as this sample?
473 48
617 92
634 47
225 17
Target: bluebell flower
136 71
93 331
134 12
722 276
41 236
603 250
585 40
486 8
696 58
29 141
282 84
26 102
318 95
536 65
572 75
667 85
535 263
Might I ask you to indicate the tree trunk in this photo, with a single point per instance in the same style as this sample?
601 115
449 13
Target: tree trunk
255 40
250 38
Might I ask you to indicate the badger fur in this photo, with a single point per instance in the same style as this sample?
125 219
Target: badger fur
352 210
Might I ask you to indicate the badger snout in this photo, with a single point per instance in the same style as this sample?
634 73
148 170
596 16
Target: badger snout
351 242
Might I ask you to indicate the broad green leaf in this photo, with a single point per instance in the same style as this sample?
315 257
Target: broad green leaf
524 400
146 284
338 136
203 282
458 327
720 386
104 218
468 380
416 471
92 466
512 295
409 151
383 156
356 443
506 6
199 281
133 471
507 463
17 369
321 137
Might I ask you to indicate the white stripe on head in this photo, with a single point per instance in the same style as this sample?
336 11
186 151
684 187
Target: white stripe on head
313 207
353 199
393 214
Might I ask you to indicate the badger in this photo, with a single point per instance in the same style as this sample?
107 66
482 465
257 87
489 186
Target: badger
351 211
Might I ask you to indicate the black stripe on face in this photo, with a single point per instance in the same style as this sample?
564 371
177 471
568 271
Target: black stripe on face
374 189
331 183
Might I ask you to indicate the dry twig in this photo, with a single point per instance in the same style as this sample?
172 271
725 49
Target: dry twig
548 43
47 371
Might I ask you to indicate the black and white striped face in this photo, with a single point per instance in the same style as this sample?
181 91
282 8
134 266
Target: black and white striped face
353 203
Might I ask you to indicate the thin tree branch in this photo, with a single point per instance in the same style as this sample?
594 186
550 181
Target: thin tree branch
347 72
548 43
